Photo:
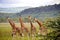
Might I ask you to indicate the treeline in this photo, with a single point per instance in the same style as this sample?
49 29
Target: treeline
53 22
4 20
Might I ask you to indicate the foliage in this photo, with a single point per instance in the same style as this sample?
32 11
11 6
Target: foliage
55 24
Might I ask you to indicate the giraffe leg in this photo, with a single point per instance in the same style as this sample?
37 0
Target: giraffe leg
13 35
20 33
28 34
13 32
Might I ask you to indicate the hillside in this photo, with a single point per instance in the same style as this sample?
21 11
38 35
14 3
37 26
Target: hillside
44 11
38 12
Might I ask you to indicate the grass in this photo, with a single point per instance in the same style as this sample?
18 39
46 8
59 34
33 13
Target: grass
6 31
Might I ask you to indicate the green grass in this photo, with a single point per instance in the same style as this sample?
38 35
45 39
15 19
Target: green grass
6 31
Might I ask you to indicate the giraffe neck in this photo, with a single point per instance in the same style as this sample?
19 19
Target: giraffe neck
32 27
12 23
40 23
21 22
31 24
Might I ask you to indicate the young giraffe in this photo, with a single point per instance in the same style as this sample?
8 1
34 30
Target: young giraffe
42 29
23 28
33 29
15 29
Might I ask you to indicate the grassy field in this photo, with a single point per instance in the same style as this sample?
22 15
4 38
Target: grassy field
6 31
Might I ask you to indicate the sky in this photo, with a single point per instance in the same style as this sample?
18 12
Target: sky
29 3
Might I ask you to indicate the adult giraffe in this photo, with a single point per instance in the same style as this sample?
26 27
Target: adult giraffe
23 27
42 29
15 29
33 28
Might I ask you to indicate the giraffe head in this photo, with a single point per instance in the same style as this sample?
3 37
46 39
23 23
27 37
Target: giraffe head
29 17
35 19
8 18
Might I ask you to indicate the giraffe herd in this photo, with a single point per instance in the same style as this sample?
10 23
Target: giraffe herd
23 27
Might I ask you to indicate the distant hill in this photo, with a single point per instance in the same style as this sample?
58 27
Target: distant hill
38 12
12 9
41 9
42 12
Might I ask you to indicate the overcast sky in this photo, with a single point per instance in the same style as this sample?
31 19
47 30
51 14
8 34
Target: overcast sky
23 3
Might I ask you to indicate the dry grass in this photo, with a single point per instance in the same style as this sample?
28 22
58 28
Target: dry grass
5 32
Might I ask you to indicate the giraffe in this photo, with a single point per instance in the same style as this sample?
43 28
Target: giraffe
15 29
23 27
33 28
42 29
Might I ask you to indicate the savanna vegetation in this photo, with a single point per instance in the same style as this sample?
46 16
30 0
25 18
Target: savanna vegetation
52 25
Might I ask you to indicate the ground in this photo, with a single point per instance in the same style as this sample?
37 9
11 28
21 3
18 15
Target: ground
6 31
